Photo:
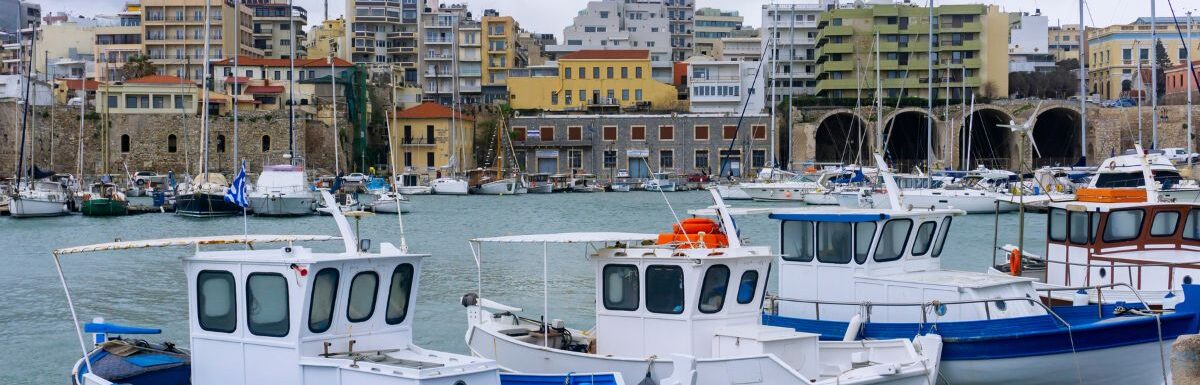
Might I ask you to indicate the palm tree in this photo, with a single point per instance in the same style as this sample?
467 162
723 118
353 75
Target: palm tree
136 67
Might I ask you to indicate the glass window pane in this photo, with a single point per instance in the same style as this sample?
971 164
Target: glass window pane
924 238
362 296
1079 227
798 241
1058 225
748 287
267 305
324 296
712 292
834 242
1123 225
1191 228
664 289
621 287
892 240
216 301
398 294
1164 223
942 233
864 233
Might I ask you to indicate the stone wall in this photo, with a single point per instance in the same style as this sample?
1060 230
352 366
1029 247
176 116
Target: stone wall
54 135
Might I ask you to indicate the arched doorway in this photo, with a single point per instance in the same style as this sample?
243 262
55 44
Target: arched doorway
1057 135
906 140
841 137
983 142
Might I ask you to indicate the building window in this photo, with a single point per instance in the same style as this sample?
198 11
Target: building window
277 75
267 305
666 159
637 94
130 101
758 158
624 72
547 133
758 131
575 133
595 72
125 144
610 133
610 158
582 73
637 72
666 133
701 162
429 159
172 143
220 143
408 159
216 301
700 132
266 143
575 159
554 97
625 95
567 97
610 72
637 133
518 134
729 132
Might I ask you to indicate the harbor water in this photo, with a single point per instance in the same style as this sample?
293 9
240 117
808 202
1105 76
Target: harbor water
147 287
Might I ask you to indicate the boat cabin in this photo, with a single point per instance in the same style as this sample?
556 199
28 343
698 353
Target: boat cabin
1126 171
834 260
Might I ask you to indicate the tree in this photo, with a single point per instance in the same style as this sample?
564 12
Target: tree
1164 62
136 67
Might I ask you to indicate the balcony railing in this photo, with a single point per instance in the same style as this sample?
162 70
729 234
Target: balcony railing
414 141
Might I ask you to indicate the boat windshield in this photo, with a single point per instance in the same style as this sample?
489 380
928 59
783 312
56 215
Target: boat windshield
1168 179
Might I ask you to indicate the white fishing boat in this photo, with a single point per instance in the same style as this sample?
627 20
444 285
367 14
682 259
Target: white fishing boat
540 183
792 189
620 185
585 183
659 181
449 186
682 308
410 184
258 316
731 192
390 202
1126 171
343 203
41 198
971 201
506 186
282 190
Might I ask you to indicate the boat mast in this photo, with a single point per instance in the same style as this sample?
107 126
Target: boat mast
1191 77
337 169
1153 78
291 84
204 90
929 95
878 99
1141 88
237 49
1083 96
82 105
774 60
25 109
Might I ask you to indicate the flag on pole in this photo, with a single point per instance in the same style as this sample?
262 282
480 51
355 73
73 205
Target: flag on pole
236 193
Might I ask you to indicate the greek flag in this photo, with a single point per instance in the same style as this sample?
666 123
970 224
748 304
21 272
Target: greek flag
236 193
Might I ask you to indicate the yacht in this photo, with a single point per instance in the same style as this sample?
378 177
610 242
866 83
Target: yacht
391 202
971 195
659 181
449 186
585 183
792 189
410 184
204 197
40 198
282 190
1126 171
539 183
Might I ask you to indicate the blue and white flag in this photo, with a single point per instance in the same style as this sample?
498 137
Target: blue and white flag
236 193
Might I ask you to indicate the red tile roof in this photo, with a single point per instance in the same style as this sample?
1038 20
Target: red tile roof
430 110
257 62
607 54
260 90
159 79
89 85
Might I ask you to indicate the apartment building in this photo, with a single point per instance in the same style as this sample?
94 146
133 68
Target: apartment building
1113 52
1063 41
116 44
789 36
1029 43
384 35
173 34
712 25
969 51
18 15
154 94
533 44
502 51
595 80
451 55
738 49
720 86
681 14
273 28
330 35
622 24
67 48
422 136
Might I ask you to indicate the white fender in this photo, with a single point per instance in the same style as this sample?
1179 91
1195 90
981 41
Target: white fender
853 328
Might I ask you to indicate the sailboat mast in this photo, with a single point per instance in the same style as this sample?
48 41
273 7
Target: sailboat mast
337 164
878 100
25 112
1153 77
499 149
204 89
237 49
774 60
1083 96
1191 77
79 141
291 84
929 95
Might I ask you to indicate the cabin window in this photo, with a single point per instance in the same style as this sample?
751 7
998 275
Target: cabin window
324 297
892 239
1123 225
398 294
864 233
942 233
834 242
664 289
267 305
1191 228
712 292
924 238
621 287
747 287
1080 227
1164 224
798 241
1058 225
362 296
216 301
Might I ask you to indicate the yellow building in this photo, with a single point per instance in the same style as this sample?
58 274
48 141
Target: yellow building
320 37
67 89
1063 41
1113 53
421 138
501 52
173 34
154 94
594 79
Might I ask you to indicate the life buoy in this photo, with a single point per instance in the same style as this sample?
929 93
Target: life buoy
1014 262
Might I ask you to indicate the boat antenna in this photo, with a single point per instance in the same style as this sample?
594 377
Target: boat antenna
392 158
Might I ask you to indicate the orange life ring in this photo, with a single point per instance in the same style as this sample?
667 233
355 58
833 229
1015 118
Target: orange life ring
1014 262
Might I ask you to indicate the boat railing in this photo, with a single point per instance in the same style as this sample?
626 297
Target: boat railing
936 305
1131 269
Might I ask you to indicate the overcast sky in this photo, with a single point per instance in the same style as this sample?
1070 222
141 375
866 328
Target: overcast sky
550 16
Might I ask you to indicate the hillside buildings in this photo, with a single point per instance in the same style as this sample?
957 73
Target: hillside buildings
384 35
274 26
1063 41
789 36
173 35
712 25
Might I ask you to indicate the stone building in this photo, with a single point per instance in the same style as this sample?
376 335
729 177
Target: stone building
606 145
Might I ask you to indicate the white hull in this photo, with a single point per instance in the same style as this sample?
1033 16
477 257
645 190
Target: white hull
414 190
775 193
664 186
732 193
500 187
587 189
543 188
28 208
390 206
620 187
828 198
281 205
976 203
1134 364
449 186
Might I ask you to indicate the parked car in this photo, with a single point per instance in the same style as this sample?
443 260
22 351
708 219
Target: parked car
1124 102
146 178
1179 155
357 177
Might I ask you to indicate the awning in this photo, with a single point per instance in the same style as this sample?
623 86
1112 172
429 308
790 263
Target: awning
217 240
261 90
831 217
570 238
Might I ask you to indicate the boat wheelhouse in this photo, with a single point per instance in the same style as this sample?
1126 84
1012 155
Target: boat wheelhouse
1125 171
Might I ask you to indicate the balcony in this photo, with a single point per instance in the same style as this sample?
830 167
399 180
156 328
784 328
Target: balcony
960 28
396 50
836 30
966 45
844 65
402 35
835 48
438 56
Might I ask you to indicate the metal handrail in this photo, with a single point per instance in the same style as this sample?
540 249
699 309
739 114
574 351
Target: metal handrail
923 305
1157 264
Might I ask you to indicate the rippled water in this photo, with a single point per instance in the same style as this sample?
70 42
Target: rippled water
146 287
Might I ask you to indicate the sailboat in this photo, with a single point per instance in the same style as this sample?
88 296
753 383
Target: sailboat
498 183
36 196
390 201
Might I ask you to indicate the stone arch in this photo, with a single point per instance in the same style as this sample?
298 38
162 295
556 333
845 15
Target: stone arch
1056 132
906 140
842 136
981 140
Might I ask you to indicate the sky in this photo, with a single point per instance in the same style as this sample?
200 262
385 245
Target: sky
550 16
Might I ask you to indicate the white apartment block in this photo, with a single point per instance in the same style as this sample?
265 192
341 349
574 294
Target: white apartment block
789 36
620 24
384 35
738 49
1029 43
451 56
727 87
681 14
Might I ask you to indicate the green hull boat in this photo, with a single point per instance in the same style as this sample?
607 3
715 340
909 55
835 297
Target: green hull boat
104 207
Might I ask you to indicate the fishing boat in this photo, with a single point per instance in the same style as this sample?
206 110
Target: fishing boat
279 315
659 181
539 183
585 183
104 200
343 203
282 190
731 192
1125 171
410 184
681 308
792 189
204 197
864 274
621 185
40 198
560 183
